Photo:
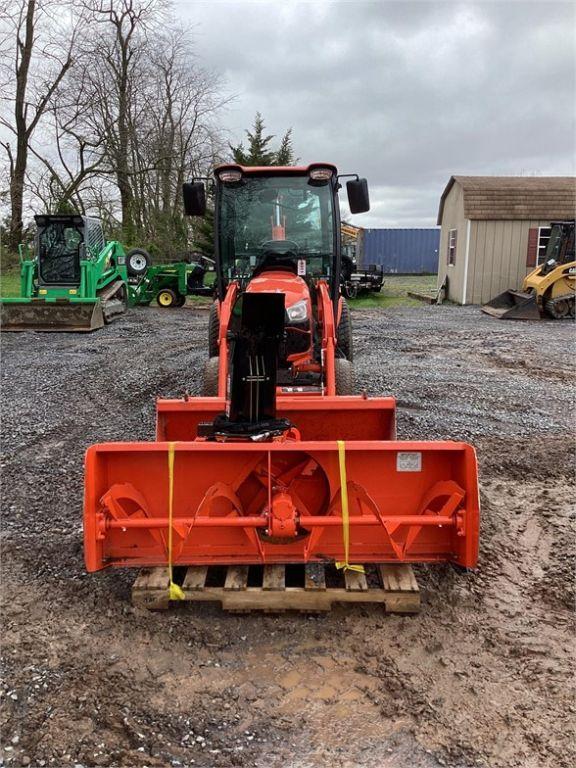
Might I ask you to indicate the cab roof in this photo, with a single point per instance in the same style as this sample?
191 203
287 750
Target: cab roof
275 170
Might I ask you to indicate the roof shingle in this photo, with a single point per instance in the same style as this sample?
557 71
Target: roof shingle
515 197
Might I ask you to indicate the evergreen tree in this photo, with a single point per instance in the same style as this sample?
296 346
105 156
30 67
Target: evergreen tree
259 151
285 155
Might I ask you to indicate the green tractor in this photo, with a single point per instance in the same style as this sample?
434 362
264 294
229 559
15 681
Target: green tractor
170 284
74 280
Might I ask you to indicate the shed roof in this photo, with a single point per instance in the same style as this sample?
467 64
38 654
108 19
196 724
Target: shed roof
515 197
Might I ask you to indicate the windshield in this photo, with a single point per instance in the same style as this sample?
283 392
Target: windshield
560 244
276 221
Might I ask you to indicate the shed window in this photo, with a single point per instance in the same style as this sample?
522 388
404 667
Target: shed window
451 253
543 237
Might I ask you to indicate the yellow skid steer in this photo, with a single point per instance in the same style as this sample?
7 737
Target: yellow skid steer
550 289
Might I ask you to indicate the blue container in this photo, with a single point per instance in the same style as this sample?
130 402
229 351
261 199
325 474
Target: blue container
401 251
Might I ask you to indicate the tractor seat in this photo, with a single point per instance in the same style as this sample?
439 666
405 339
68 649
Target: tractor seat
273 261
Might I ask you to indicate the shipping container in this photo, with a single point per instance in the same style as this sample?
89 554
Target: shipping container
401 251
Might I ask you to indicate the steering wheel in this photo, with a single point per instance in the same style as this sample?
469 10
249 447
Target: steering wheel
288 246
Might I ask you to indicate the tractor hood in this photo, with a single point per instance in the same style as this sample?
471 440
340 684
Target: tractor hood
292 286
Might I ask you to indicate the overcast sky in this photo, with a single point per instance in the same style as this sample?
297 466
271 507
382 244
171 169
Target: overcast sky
404 93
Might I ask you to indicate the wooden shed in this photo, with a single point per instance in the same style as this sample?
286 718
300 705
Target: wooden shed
495 230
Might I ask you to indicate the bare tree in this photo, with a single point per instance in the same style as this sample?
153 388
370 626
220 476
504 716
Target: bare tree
42 54
150 110
126 112
176 136
115 67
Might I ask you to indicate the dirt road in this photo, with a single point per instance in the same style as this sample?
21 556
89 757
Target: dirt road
482 677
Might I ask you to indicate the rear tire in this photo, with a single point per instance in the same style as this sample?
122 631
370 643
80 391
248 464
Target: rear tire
137 262
213 330
181 300
167 298
344 333
344 377
210 378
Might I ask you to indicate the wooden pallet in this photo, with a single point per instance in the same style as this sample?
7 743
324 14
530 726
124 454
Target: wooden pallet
277 588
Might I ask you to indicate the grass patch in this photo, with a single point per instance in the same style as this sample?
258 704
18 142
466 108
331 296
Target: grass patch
394 292
10 282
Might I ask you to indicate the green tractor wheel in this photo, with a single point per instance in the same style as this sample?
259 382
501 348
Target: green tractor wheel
167 298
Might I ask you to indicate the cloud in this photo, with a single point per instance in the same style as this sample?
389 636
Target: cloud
404 93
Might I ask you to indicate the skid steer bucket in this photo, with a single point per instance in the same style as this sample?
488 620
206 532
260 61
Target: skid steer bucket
513 305
369 499
41 315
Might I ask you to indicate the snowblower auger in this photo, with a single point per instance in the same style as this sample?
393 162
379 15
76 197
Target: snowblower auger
282 464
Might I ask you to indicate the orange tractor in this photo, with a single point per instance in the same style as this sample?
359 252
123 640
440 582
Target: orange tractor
279 461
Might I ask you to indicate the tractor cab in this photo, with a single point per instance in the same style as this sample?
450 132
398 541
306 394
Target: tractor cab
271 223
277 219
278 232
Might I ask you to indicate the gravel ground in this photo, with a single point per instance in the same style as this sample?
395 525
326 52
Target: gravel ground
482 677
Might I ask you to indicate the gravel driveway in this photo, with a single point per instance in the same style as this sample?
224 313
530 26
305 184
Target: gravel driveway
482 677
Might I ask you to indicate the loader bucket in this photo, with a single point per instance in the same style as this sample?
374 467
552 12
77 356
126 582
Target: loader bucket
41 315
280 502
513 305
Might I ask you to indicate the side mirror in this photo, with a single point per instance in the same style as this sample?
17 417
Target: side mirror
194 196
358 197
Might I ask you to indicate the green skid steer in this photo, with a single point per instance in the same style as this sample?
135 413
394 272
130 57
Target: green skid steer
74 280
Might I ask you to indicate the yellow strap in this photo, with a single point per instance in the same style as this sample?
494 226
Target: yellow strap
345 565
176 592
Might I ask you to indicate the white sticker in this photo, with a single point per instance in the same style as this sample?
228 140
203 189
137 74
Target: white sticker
408 461
302 267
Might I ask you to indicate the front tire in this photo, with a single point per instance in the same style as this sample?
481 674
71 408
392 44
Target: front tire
213 330
167 298
344 377
344 332
210 378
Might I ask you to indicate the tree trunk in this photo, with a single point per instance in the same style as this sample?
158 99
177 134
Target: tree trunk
17 192
22 134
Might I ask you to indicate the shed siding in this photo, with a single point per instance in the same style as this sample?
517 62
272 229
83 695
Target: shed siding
497 257
453 218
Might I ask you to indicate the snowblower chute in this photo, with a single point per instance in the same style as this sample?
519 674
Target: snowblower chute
279 462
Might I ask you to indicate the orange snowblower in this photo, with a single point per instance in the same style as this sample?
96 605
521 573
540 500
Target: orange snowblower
279 461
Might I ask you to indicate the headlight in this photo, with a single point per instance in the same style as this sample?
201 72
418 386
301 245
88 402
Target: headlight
321 174
298 312
230 175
